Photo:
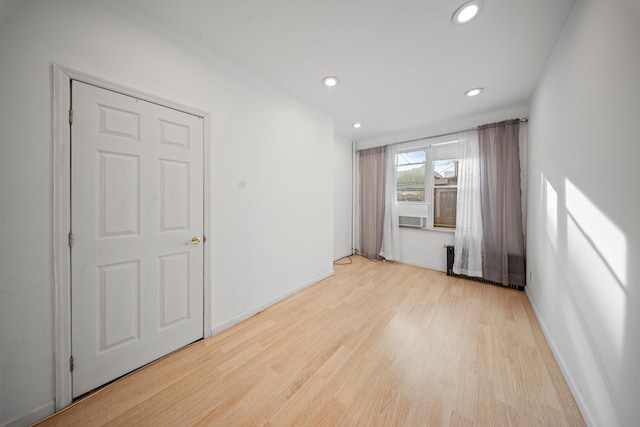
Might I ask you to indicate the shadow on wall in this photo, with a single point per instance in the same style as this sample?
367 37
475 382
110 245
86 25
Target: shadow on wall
596 244
596 273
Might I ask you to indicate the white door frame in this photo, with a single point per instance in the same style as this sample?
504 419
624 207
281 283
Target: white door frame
61 172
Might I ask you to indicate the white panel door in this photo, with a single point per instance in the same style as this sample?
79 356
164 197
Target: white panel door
136 217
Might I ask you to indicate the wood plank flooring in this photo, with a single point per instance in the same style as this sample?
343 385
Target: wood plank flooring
378 344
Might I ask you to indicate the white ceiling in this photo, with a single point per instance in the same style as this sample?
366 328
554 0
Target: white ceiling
402 64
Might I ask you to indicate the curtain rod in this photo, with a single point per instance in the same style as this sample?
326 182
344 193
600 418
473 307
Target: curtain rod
523 120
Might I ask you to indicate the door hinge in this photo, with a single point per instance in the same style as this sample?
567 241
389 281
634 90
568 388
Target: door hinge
70 239
71 364
70 116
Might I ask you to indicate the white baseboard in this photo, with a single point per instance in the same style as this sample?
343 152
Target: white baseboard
38 414
586 413
435 267
427 265
343 256
215 330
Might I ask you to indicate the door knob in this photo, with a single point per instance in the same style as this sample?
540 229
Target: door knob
194 241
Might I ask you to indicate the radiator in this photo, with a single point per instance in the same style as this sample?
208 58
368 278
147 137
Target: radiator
451 256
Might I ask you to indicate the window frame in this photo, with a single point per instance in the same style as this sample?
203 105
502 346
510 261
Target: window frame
427 208
432 218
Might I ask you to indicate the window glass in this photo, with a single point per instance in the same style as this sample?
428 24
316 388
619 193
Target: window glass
411 157
411 176
445 172
445 192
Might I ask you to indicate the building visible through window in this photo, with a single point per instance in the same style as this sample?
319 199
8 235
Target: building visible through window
445 193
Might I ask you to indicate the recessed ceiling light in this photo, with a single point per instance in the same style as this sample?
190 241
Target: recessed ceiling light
466 12
330 81
357 125
473 92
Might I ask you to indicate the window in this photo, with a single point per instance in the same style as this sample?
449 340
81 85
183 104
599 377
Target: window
445 193
427 186
411 166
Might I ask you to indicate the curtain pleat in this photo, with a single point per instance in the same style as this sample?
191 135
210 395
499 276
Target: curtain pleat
372 200
468 238
391 229
503 238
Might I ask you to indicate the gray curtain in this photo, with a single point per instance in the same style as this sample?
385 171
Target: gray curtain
372 190
503 258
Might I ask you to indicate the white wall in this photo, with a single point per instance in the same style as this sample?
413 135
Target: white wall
426 248
271 170
584 207
342 197
7 9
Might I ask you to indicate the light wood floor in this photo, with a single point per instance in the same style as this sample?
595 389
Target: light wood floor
378 344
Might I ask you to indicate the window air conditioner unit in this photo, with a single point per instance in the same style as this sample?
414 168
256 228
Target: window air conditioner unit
412 221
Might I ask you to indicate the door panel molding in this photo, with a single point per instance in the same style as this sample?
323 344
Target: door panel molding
61 169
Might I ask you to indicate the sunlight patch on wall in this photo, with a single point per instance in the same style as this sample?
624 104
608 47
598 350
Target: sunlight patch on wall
551 206
590 238
606 238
